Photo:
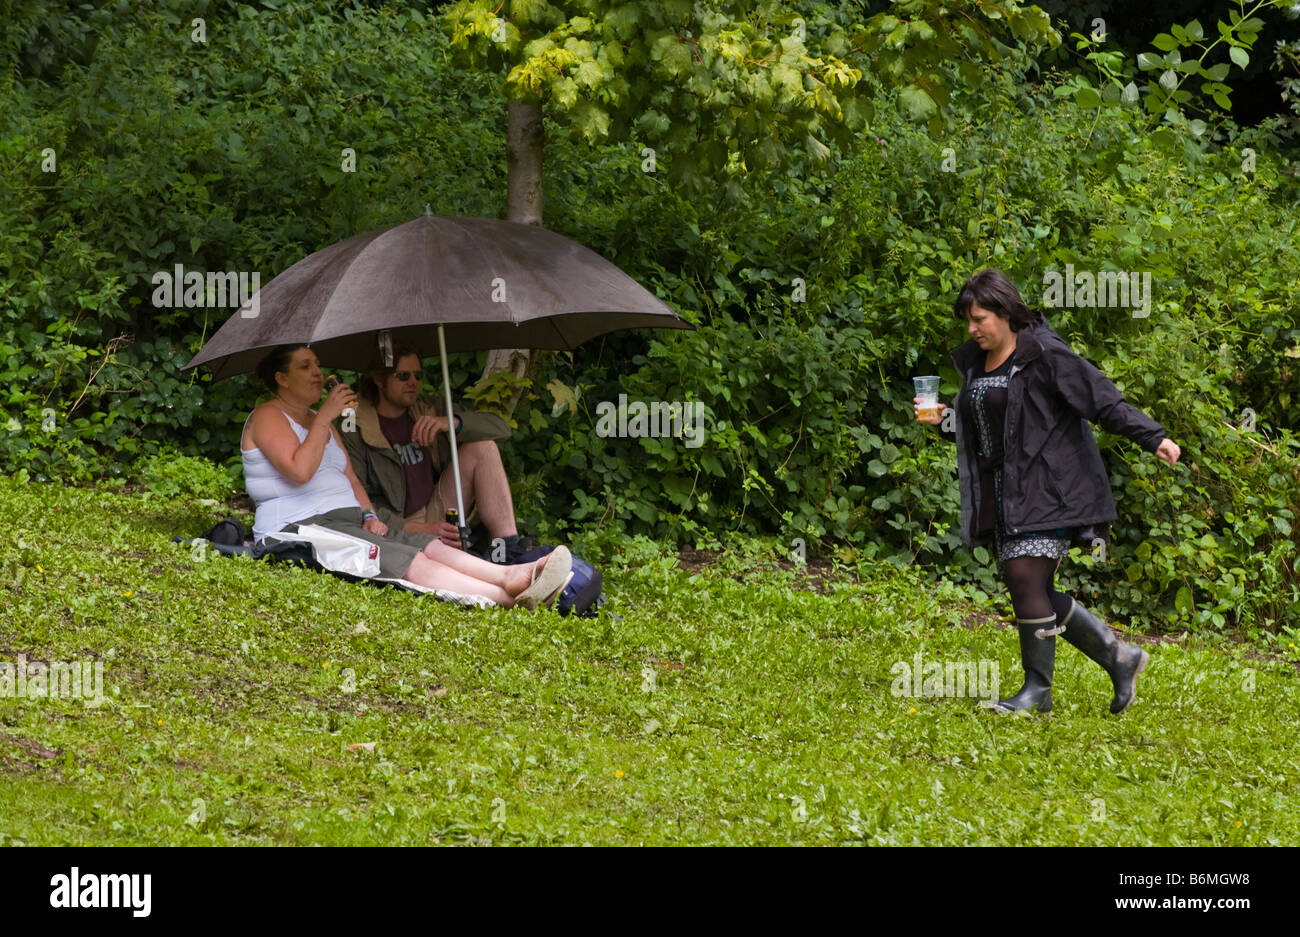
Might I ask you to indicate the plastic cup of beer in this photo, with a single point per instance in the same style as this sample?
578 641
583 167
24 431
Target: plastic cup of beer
927 392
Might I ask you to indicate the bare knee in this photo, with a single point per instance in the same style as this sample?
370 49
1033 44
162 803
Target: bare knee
420 566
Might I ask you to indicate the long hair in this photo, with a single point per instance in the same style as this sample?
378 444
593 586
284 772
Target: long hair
993 290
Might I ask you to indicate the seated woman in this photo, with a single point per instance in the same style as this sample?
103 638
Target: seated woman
297 472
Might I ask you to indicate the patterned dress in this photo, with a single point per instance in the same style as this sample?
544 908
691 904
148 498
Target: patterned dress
984 404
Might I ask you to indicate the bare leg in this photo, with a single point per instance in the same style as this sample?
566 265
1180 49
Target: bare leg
483 485
431 574
512 578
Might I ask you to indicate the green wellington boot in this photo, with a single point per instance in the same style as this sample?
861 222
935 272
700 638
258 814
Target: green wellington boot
1122 661
1038 654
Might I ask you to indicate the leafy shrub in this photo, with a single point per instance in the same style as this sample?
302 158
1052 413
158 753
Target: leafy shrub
171 474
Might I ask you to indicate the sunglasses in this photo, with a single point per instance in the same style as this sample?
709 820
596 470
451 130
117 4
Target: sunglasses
405 376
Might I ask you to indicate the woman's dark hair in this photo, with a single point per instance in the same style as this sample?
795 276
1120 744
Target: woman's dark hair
377 371
276 362
993 290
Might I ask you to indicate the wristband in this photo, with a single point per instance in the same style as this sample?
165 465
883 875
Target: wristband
459 424
368 513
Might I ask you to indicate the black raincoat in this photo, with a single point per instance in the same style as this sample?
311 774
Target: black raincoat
1052 473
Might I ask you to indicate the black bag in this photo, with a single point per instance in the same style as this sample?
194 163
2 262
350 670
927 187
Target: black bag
228 533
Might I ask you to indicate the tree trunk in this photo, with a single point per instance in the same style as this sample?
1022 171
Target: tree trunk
524 141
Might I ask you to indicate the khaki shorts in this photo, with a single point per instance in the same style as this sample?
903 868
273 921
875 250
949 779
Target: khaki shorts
396 550
436 510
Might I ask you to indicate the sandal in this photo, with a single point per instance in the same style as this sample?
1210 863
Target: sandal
550 582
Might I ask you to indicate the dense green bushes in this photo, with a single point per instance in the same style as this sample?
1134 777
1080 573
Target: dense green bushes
167 153
817 294
814 436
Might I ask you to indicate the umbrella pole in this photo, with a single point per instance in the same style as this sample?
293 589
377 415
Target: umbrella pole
451 435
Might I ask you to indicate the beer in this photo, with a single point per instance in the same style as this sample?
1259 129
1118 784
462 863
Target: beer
927 392
332 382
453 518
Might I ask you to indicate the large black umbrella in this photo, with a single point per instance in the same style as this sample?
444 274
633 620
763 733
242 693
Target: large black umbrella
493 284
469 283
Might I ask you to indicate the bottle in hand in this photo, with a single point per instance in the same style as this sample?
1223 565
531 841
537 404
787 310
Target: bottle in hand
332 382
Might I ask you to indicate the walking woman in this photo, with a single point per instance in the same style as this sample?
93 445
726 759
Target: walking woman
1031 476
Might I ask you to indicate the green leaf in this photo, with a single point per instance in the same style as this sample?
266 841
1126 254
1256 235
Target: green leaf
1087 97
1239 55
563 396
1195 31
1165 42
916 104
1183 601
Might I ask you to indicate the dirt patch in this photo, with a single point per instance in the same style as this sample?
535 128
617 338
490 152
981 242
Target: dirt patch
35 751
817 575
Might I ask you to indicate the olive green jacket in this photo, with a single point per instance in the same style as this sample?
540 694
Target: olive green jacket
376 464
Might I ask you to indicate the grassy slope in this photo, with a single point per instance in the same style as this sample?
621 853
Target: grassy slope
779 726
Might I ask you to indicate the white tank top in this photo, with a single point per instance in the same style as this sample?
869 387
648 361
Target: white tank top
280 502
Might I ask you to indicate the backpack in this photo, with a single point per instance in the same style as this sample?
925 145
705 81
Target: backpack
229 533
582 596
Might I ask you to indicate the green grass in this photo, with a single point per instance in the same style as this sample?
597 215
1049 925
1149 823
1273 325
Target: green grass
228 723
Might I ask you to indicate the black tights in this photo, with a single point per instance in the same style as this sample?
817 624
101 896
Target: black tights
1033 594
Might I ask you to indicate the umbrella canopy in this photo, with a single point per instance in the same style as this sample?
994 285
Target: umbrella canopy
492 284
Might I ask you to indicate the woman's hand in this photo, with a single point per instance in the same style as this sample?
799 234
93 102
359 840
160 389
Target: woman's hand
934 418
340 398
376 526
426 428
1169 451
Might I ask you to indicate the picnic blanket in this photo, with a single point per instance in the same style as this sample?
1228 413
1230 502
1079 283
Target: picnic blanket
302 551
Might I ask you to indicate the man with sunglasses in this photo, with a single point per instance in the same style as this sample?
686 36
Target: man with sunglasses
399 448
